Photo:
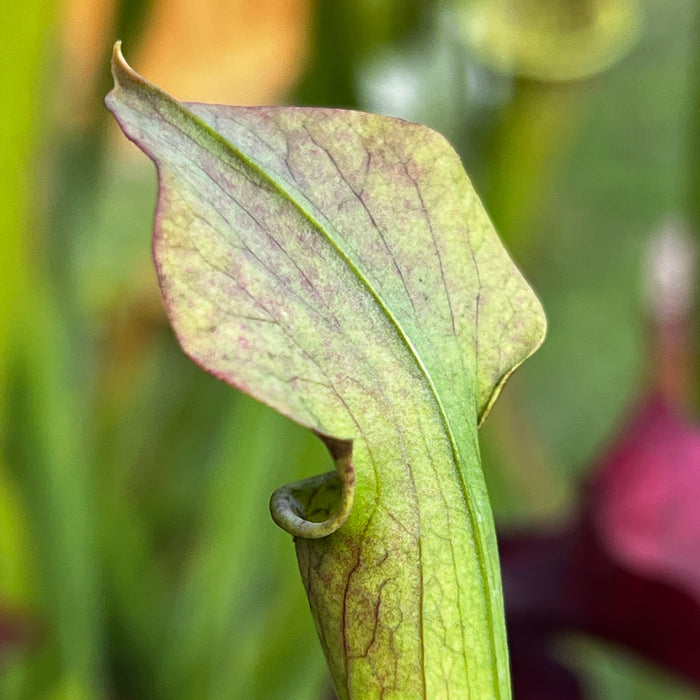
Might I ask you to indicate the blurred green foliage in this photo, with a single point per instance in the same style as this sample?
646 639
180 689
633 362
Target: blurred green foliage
135 545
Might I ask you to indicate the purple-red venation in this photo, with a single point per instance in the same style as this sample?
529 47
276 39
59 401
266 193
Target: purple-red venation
627 572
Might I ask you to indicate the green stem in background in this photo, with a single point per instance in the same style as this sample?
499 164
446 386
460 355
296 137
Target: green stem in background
18 144
339 267
547 46
531 138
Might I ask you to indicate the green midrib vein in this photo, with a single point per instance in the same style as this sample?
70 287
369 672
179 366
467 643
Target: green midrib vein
304 207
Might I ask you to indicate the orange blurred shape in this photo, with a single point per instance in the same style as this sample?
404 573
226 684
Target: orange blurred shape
242 52
225 51
84 26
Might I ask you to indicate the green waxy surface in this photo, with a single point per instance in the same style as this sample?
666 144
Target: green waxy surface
339 267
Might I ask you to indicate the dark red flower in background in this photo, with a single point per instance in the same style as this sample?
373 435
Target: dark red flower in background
627 572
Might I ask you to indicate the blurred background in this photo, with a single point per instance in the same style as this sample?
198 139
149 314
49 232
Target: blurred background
137 556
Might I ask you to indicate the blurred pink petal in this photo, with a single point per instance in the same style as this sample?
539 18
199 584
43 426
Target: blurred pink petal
646 497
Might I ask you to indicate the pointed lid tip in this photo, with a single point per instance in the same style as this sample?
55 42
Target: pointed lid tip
122 72
118 62
117 55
